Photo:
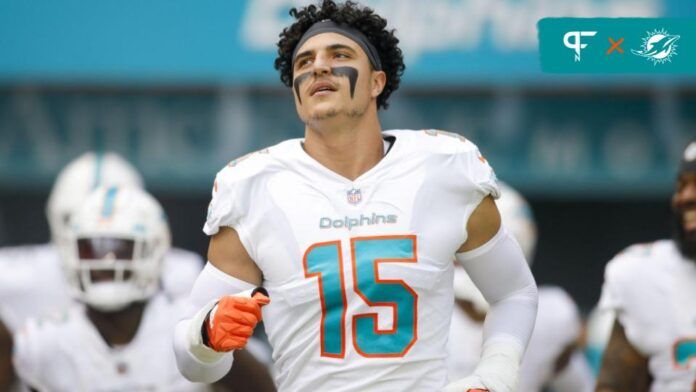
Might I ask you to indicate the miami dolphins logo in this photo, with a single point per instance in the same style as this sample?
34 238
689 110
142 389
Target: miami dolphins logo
659 47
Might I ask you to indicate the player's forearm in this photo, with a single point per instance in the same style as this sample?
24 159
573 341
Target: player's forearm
499 270
505 339
195 361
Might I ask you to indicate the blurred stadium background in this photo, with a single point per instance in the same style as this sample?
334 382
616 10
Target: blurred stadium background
180 88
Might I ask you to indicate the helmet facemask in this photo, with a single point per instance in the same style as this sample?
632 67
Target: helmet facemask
111 263
109 273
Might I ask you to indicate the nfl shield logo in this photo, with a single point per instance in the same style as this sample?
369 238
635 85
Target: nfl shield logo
354 196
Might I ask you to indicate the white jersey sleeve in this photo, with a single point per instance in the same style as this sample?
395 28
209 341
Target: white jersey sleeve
222 210
231 196
466 167
473 166
465 162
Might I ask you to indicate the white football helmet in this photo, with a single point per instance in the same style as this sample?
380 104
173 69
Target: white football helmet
517 218
78 179
118 241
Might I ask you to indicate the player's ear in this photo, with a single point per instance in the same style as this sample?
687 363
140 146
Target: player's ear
379 80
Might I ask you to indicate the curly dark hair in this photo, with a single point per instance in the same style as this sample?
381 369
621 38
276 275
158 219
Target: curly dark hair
356 16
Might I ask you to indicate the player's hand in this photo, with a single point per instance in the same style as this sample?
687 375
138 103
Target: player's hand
231 322
468 384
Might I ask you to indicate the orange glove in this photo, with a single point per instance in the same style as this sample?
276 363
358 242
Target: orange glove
231 322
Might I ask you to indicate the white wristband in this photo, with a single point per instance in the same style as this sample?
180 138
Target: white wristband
196 346
499 366
196 361
195 341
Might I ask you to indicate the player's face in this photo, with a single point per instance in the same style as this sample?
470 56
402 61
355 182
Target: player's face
333 77
684 206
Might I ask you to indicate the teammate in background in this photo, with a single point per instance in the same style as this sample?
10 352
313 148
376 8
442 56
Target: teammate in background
652 290
117 337
31 279
351 231
552 358
32 282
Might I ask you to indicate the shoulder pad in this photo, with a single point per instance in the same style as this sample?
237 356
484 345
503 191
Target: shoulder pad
434 141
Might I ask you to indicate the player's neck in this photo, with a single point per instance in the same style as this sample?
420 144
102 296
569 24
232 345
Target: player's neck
348 148
117 328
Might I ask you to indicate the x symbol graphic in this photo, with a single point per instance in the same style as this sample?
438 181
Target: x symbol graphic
615 45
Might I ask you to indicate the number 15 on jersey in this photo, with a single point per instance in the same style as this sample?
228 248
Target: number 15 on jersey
325 261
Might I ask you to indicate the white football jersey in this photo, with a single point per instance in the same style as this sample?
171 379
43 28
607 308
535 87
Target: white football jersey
31 283
557 326
652 289
359 272
65 352
464 345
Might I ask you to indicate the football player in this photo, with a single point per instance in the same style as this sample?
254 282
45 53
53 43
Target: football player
31 279
651 288
119 339
345 238
552 359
